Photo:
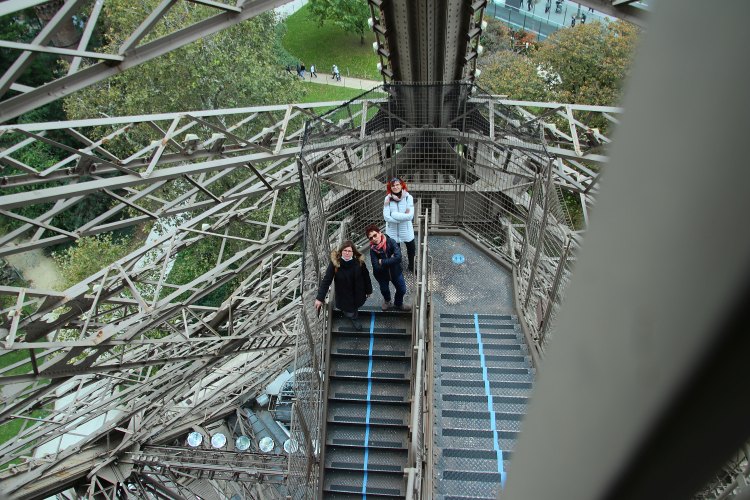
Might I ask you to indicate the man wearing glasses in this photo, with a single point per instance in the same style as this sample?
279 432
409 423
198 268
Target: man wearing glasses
385 256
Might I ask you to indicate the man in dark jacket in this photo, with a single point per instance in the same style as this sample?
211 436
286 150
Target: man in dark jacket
385 256
348 272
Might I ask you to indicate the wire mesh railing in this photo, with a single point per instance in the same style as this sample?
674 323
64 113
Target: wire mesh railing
479 165
417 445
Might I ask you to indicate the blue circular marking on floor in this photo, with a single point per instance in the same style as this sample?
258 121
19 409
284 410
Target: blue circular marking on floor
458 258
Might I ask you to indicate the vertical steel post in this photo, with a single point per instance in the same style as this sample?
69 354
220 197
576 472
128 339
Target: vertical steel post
553 292
540 241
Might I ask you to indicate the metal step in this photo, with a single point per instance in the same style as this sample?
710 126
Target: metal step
471 348
469 327
511 335
380 460
356 390
356 413
480 420
469 484
468 460
494 373
360 345
357 368
478 402
378 437
355 496
378 484
453 386
518 359
480 439
489 317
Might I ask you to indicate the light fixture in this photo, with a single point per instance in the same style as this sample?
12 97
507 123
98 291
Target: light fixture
190 143
266 444
380 66
218 440
480 50
484 25
291 446
194 439
375 47
242 443
370 22
477 72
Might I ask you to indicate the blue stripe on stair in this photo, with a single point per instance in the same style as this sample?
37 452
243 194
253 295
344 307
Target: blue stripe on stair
369 407
490 407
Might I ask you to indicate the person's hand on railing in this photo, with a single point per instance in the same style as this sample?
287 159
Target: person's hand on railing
318 305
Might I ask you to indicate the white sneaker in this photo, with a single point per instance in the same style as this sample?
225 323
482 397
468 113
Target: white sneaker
386 305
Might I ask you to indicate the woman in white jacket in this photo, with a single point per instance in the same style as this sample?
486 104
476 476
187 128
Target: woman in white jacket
398 212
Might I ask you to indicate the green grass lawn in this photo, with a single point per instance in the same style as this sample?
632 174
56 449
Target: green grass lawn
327 45
9 430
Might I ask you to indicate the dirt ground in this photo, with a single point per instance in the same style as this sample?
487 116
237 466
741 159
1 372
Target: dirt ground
38 269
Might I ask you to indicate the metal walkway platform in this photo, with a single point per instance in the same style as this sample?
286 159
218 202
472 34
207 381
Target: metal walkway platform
482 371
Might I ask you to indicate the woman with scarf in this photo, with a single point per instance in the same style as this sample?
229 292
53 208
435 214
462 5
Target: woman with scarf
398 212
385 256
348 272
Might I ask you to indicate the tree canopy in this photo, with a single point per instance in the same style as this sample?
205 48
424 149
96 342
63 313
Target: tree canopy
586 64
236 67
349 15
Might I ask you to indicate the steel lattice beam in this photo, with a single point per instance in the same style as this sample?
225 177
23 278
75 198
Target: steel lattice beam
130 54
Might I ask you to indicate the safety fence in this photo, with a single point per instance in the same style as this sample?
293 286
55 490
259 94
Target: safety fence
474 164
419 330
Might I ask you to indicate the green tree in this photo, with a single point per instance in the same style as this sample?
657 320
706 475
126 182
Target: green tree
236 67
514 75
496 37
586 65
592 61
349 15
88 256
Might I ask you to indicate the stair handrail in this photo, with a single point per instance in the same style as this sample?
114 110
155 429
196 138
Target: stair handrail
416 450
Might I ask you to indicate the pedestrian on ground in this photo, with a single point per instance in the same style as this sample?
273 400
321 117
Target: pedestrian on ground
573 22
302 70
385 256
289 68
313 74
398 212
591 9
529 3
583 18
348 272
558 6
547 6
299 70
336 73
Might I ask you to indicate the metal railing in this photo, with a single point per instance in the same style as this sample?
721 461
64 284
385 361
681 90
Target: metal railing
417 447
479 165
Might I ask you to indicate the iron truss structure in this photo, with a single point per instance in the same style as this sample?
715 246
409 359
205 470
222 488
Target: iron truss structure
128 347
112 373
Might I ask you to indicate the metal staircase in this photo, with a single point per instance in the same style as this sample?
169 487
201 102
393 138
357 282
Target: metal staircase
483 378
368 410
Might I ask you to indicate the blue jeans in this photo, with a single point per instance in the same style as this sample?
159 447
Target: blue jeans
400 285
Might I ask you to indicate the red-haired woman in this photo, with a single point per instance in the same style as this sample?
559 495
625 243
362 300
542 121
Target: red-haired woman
398 212
348 272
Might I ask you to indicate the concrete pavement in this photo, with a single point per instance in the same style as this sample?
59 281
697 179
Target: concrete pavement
349 82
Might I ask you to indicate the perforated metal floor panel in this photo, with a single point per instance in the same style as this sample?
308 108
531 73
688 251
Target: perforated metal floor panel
463 279
483 374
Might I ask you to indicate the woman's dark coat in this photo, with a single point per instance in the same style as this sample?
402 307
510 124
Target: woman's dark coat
351 280
390 269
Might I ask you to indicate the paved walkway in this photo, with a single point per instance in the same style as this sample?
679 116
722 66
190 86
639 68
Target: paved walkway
352 83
